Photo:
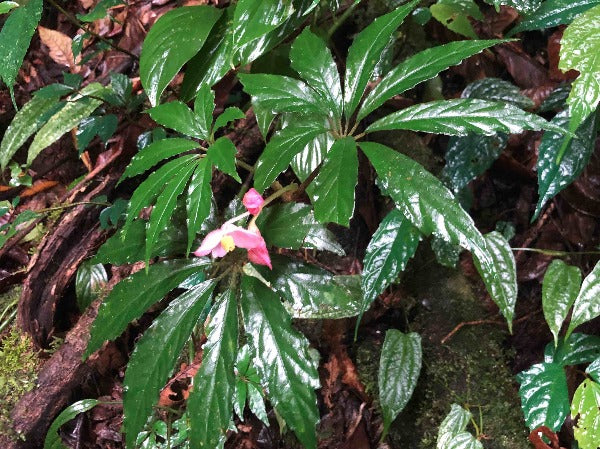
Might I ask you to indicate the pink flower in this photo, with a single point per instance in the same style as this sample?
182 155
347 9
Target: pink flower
225 239
253 201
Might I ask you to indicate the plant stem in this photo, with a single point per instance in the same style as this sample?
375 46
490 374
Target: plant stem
341 19
552 252
66 206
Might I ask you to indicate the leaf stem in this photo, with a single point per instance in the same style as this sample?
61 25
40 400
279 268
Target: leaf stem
552 252
341 19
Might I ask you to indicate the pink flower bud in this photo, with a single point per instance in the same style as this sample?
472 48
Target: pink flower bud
253 201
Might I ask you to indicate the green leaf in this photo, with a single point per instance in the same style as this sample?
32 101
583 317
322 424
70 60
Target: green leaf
204 107
210 405
26 122
165 205
278 93
454 15
553 13
544 396
286 369
585 409
501 282
418 68
393 244
311 292
130 298
462 116
91 278
573 350
100 10
255 18
554 173
103 126
587 303
280 151
176 115
222 155
198 200
154 153
524 7
305 162
579 49
594 370
171 42
229 115
313 61
65 119
452 433
333 192
559 290
399 368
155 355
365 52
321 238
286 225
15 37
53 440
496 89
7 6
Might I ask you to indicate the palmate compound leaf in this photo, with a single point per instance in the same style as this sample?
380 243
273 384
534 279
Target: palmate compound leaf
284 364
53 440
559 290
585 411
452 433
131 297
155 355
210 406
171 42
587 303
399 368
544 396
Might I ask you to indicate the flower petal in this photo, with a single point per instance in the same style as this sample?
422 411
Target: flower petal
253 201
212 240
260 256
246 239
218 251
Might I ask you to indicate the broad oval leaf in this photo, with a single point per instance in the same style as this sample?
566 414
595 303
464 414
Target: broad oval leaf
462 116
573 350
544 396
171 42
587 303
286 225
222 155
53 440
393 244
399 368
91 278
255 18
210 406
553 13
559 290
284 364
585 410
452 434
131 297
155 355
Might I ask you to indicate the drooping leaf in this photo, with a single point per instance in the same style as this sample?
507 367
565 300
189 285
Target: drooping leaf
393 244
544 396
284 364
555 174
157 151
313 61
585 409
90 280
171 42
461 116
155 355
333 192
59 46
103 126
210 405
229 115
399 368
222 155
573 350
255 18
454 15
198 200
587 303
421 67
176 115
53 440
130 298
559 290
552 13
452 433
365 52
26 122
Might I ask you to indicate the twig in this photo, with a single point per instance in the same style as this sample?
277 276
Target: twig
459 326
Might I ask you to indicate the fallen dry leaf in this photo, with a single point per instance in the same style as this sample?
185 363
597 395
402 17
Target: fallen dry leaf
59 45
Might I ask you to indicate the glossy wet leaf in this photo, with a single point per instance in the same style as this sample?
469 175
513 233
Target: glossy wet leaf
204 107
155 355
178 116
26 122
53 440
594 370
15 37
585 409
255 18
210 406
152 154
247 387
199 199
305 162
399 368
171 42
91 278
103 126
554 175
446 254
131 297
322 239
286 225
285 366
222 155
544 396
333 191
587 303
552 13
573 350
7 6
229 115
393 244
418 68
559 290
524 7
365 52
496 89
454 15
313 61
99 11
502 282
280 151
462 116
452 433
